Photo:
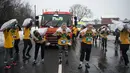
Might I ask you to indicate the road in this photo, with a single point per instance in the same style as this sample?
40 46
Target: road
99 62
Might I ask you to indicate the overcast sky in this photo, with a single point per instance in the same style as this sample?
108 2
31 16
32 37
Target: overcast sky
120 8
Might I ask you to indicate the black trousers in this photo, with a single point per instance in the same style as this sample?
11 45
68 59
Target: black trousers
117 41
104 43
85 48
124 48
95 40
37 46
73 37
16 43
27 44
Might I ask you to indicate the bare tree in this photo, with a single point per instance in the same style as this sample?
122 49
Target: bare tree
14 9
96 21
80 11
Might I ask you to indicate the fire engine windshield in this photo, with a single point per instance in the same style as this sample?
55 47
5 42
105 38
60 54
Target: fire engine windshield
56 20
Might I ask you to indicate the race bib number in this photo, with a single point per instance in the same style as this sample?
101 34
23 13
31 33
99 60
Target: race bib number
63 41
88 39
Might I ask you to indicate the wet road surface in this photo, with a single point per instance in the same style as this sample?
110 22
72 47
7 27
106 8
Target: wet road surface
100 62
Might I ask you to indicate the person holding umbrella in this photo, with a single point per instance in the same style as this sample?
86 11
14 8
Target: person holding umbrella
104 33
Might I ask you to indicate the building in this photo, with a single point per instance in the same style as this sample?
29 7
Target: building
106 21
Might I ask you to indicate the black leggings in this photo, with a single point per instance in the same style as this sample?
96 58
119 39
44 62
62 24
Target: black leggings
27 44
124 48
104 43
85 48
74 37
95 40
37 46
16 43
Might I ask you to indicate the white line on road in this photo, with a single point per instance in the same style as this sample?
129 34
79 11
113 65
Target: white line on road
60 68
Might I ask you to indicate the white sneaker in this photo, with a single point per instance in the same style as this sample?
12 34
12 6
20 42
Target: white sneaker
12 59
5 62
42 61
60 61
34 62
80 66
87 65
126 66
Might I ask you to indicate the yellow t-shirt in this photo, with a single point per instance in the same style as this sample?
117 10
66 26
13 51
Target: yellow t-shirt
95 34
63 40
8 39
124 37
88 37
44 38
16 36
75 30
104 34
26 33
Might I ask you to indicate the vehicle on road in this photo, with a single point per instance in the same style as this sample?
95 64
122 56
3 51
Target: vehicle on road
53 20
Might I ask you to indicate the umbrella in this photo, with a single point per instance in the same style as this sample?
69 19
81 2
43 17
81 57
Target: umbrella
27 22
9 24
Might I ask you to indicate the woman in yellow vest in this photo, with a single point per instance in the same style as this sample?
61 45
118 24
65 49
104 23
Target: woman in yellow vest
86 45
27 42
124 45
75 32
95 36
8 45
99 36
63 36
104 35
16 39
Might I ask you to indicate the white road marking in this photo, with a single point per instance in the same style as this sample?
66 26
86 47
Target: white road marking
60 68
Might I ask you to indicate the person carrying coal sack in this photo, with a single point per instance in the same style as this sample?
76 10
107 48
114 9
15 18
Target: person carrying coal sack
8 45
27 41
104 33
86 45
124 43
40 41
63 35
16 38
